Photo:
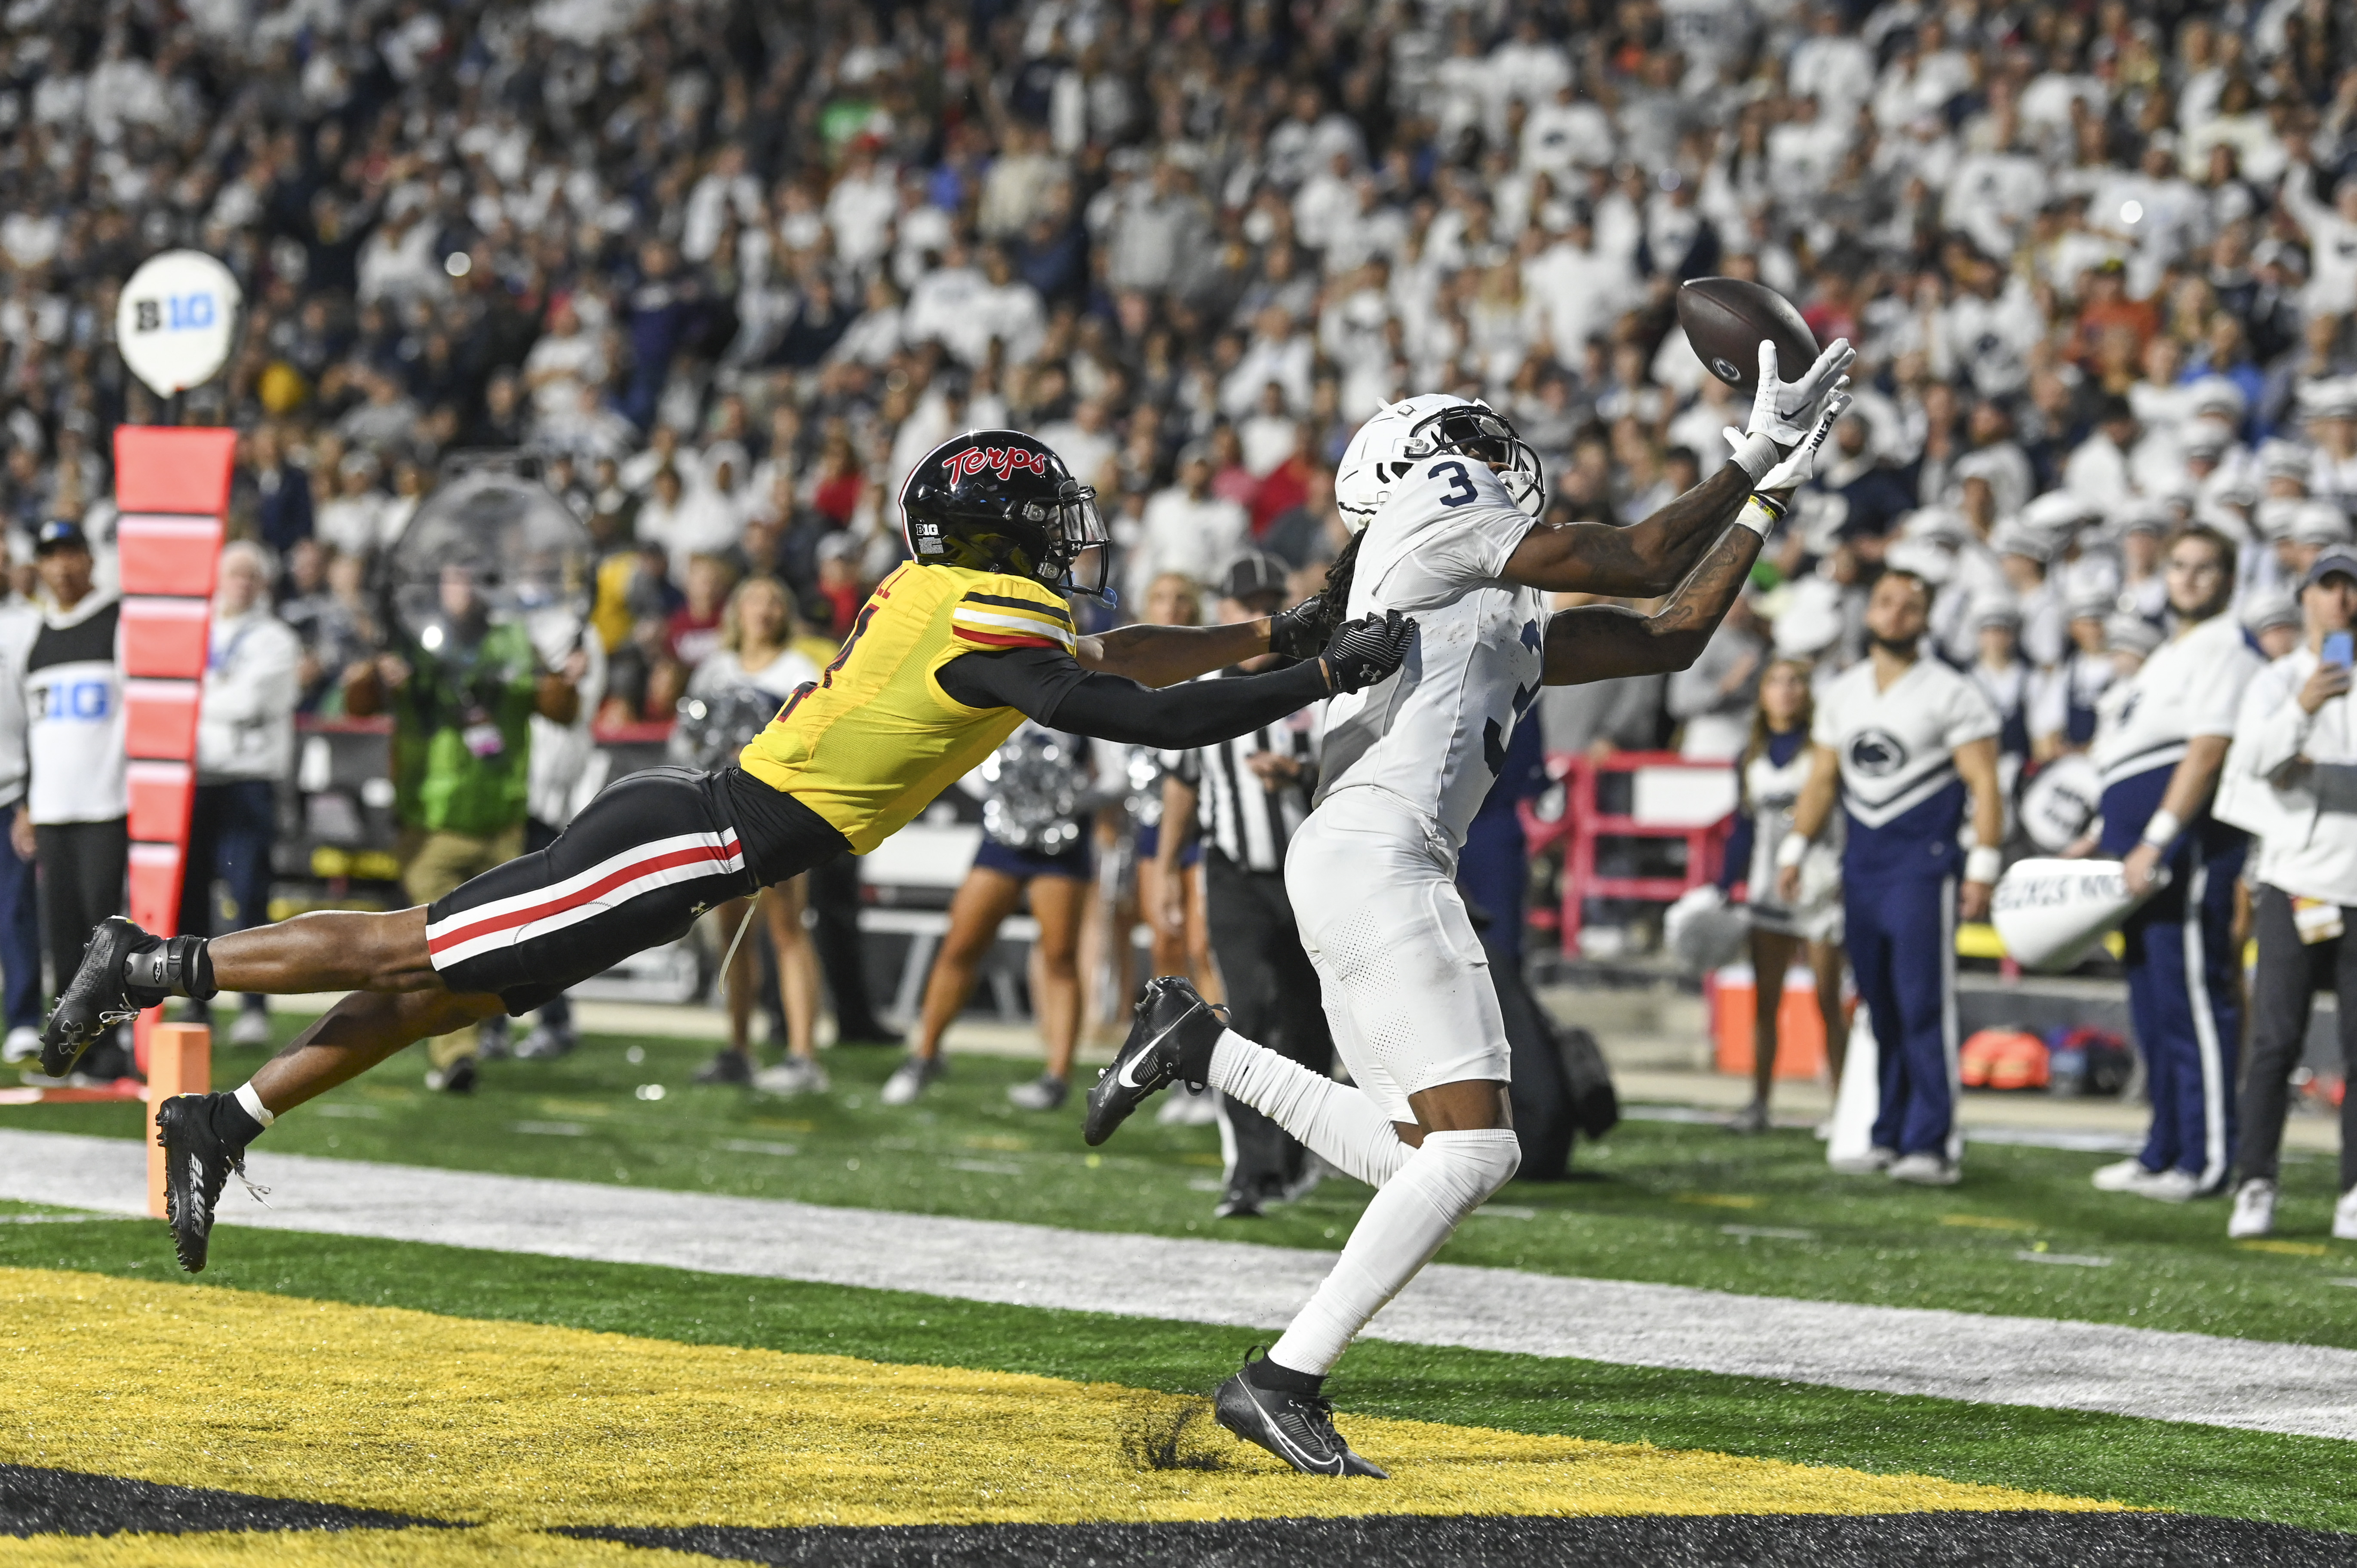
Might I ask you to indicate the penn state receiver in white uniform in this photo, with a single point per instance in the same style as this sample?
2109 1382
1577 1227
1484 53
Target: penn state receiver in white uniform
1443 495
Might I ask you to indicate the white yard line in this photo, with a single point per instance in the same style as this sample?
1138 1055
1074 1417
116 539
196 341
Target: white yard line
2056 1364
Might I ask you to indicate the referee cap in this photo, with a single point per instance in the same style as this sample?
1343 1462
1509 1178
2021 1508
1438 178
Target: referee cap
1252 573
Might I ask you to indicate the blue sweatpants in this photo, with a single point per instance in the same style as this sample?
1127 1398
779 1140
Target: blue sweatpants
20 940
1900 929
2184 999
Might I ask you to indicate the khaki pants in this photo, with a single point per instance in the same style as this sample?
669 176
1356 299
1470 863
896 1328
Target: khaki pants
433 862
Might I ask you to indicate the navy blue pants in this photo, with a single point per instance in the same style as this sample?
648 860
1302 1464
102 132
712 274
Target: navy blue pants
230 830
20 940
1901 934
2185 1002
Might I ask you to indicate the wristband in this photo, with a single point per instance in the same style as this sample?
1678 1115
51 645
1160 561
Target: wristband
1760 515
1984 864
1790 852
2163 827
1755 454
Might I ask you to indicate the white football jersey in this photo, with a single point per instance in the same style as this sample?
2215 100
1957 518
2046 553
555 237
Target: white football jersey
1434 734
2192 686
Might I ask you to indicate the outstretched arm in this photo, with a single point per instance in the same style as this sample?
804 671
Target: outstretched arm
1648 559
1165 655
1045 684
1603 642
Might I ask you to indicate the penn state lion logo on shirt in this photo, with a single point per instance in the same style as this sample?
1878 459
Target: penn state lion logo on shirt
1877 753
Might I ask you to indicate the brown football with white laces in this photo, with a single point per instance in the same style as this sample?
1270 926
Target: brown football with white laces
1726 319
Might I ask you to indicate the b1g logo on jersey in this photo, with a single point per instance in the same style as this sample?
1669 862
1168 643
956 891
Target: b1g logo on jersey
1876 753
999 460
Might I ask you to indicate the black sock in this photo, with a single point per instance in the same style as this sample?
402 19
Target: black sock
233 1123
1283 1379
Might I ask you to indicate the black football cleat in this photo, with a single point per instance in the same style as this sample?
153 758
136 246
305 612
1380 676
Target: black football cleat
1297 1428
199 1153
100 995
1171 1042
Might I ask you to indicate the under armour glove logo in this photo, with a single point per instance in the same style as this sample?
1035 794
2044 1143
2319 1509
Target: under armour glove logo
1367 650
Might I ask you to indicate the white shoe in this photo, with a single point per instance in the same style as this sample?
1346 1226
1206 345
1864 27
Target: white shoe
2171 1185
24 1043
2255 1210
1182 1107
252 1028
910 1080
1824 1130
1926 1170
1873 1162
2121 1176
2344 1216
795 1075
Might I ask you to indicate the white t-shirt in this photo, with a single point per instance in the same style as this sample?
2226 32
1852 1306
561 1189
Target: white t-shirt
2192 686
1897 749
1435 734
778 677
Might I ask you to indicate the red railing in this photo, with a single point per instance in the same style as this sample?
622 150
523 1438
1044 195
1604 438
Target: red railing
1576 833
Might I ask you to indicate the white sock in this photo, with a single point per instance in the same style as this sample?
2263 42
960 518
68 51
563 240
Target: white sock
252 1103
1337 1122
1441 1183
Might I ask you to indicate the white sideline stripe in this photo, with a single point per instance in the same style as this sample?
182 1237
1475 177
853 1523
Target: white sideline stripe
2055 1364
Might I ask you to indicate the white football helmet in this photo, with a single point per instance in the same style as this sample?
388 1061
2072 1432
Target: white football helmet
1402 434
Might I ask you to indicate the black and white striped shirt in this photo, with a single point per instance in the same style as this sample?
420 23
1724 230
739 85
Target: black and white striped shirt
1244 818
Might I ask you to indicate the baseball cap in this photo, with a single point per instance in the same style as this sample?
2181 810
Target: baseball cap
59 533
2271 607
2320 522
1995 610
1253 572
2128 633
2340 561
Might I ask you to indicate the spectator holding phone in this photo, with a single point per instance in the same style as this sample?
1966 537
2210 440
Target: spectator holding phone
2292 778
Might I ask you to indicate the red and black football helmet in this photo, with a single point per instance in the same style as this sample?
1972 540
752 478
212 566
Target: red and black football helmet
999 501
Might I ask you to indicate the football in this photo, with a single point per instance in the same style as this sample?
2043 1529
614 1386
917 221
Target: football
1725 320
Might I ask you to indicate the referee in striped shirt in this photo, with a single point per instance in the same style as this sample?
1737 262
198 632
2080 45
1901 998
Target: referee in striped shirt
1248 795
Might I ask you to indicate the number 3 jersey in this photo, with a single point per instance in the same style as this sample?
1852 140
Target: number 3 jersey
871 742
1435 734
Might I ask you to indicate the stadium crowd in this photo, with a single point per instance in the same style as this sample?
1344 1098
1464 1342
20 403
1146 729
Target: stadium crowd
727 269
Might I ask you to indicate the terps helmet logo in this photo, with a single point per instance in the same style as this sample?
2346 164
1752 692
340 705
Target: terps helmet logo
1876 753
999 460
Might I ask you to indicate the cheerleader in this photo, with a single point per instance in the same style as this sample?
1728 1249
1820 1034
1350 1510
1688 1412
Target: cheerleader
1772 769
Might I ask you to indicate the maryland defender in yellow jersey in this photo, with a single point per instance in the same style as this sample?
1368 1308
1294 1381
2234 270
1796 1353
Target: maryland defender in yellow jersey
950 654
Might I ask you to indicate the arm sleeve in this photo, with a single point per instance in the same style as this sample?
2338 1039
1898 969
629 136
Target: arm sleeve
1048 685
2272 727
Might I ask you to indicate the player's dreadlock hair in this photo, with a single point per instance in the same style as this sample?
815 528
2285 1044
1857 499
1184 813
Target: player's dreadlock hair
1301 631
1334 600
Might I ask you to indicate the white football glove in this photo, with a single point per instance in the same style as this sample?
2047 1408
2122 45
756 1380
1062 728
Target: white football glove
1801 462
1783 411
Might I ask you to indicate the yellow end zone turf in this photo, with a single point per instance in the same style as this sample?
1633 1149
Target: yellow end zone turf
504 1545
526 1426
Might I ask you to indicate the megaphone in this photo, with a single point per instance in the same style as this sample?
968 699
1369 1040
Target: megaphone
1705 931
2050 913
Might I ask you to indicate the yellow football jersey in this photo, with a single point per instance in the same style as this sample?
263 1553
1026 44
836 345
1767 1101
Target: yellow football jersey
870 743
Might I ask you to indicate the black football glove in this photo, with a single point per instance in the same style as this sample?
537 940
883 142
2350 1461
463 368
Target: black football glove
1303 631
1366 650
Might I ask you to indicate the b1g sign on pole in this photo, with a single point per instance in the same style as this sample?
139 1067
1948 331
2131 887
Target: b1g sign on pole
175 325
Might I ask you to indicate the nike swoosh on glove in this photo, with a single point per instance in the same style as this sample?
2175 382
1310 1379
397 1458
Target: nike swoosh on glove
1783 411
1303 631
1368 650
1801 462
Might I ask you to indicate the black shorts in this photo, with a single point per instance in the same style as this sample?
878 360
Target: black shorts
635 869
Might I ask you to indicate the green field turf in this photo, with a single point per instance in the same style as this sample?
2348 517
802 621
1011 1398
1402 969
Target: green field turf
1656 1203
2292 1481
